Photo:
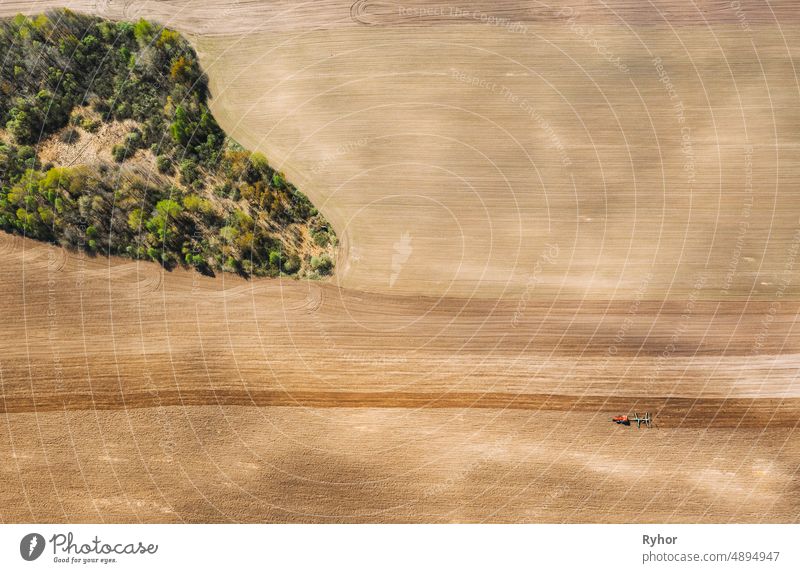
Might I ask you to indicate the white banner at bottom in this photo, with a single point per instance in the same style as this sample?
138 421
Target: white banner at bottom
400 548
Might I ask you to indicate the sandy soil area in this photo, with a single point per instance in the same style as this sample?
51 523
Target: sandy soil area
547 217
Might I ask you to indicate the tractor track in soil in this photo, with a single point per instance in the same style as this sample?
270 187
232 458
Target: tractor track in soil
674 412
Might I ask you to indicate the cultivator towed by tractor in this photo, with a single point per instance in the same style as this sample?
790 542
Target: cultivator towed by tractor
646 419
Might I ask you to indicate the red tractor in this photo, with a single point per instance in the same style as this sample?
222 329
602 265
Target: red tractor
645 419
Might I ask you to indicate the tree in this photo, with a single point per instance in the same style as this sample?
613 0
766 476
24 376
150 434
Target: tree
143 32
22 126
183 70
181 128
169 208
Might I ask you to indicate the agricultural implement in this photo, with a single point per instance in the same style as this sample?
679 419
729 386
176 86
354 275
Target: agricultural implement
646 419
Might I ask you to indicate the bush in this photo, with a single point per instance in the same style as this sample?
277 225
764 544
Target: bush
119 153
195 204
275 260
291 265
163 164
123 111
189 172
278 180
90 125
135 220
134 139
322 264
321 238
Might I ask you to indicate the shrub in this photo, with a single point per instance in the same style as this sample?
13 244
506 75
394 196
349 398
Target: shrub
135 220
322 264
163 164
278 180
195 204
123 111
321 238
259 163
189 172
119 153
291 265
134 139
275 259
90 125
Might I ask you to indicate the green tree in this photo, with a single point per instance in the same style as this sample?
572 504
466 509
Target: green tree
143 32
169 208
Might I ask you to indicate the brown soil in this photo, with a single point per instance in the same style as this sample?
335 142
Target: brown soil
492 308
130 394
